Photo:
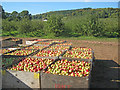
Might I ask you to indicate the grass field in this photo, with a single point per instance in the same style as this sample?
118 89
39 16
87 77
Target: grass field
90 38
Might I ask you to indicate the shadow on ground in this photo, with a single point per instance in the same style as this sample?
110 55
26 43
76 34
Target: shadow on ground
105 74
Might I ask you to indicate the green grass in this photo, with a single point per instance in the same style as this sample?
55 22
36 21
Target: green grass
88 38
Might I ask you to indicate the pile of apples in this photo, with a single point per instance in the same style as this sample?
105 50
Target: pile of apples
35 47
48 53
57 41
4 51
81 48
78 54
44 43
64 44
21 52
69 68
59 47
32 64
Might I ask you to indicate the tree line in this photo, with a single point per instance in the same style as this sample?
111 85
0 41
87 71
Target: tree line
100 22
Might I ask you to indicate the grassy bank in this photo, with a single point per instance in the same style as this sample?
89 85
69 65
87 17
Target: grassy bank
90 38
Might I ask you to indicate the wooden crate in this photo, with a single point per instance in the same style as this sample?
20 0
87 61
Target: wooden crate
60 81
20 79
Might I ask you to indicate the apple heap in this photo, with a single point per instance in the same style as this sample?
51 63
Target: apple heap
64 44
32 64
57 41
44 43
59 47
48 53
82 48
70 68
78 54
35 47
4 50
9 61
21 52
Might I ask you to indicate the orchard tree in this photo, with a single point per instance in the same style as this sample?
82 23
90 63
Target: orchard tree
25 15
54 25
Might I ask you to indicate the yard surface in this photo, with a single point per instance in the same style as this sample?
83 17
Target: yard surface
107 61
105 70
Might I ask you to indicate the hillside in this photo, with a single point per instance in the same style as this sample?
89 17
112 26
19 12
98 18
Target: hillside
99 22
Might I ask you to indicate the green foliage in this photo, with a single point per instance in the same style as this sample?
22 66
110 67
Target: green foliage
101 22
54 25
24 26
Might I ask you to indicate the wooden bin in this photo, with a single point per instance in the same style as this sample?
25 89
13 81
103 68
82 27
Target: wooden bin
17 41
7 43
21 79
60 81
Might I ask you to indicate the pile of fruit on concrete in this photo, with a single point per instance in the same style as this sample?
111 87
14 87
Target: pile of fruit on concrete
38 61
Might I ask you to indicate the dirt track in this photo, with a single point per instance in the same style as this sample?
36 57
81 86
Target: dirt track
105 72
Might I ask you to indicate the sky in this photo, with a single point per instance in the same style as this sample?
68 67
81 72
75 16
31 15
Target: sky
42 7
